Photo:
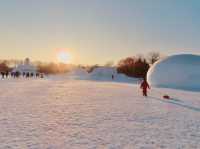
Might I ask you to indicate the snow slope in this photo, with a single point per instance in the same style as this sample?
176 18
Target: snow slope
98 74
74 74
63 114
105 74
178 71
78 73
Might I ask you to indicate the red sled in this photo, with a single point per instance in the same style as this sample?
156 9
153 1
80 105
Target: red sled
166 97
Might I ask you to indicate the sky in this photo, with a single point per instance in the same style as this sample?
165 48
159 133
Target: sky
97 31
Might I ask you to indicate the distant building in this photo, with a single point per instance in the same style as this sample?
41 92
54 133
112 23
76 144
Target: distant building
25 67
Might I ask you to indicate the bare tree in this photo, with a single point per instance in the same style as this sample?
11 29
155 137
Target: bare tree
153 57
133 67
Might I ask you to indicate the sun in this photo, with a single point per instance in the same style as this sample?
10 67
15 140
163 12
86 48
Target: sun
63 57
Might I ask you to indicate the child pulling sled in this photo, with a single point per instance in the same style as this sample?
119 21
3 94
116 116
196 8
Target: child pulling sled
144 86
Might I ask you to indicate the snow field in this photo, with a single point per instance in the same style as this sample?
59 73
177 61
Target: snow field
62 114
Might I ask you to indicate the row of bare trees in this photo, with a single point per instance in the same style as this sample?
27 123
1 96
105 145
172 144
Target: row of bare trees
137 66
133 67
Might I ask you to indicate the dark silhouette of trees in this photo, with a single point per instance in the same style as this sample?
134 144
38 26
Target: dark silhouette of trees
4 67
52 68
133 67
137 66
91 68
126 66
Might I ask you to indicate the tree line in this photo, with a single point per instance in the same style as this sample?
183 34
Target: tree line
135 66
42 67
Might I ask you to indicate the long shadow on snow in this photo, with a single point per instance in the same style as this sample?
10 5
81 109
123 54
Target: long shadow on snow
177 102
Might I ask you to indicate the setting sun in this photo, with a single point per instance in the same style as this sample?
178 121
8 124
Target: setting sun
63 57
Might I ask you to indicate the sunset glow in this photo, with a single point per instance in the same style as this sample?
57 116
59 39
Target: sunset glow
63 57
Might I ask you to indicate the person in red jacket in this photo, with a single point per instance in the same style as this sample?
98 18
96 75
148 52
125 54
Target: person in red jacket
144 86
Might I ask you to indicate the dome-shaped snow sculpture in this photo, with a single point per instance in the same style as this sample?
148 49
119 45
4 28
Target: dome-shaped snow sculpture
178 71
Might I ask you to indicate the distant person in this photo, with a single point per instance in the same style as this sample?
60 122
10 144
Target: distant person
12 74
32 75
41 75
7 74
17 74
24 74
27 75
144 86
2 75
37 75
113 77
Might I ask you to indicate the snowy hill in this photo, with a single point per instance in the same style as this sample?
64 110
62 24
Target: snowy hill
178 71
78 73
74 74
105 74
98 74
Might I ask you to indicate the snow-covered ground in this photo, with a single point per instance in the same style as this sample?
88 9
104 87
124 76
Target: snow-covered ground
75 114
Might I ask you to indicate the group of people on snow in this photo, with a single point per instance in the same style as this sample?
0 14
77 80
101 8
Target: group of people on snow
18 74
144 84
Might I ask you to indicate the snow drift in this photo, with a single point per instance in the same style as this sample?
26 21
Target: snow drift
78 73
105 74
98 74
178 71
74 74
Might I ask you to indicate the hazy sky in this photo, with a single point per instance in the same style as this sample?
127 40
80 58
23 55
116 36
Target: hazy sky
97 31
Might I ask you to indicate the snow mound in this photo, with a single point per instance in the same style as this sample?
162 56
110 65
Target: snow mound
74 74
178 71
98 74
78 73
105 74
